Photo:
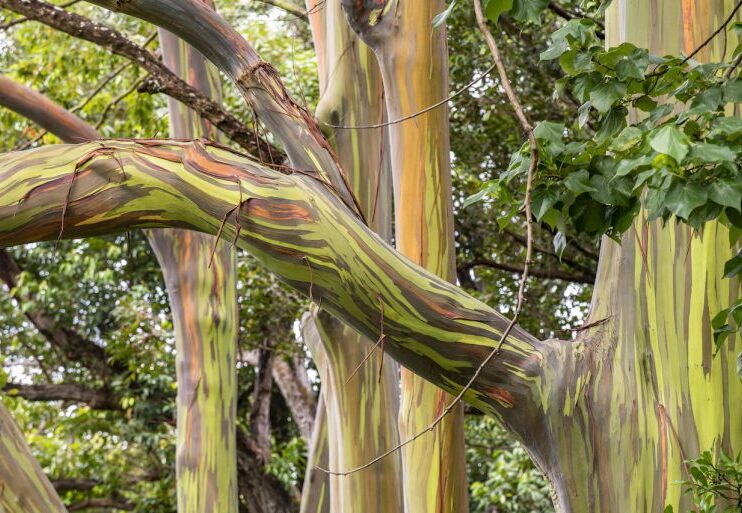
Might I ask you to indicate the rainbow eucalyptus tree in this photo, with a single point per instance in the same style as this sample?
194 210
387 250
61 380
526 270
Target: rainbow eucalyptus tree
609 417
199 274
200 277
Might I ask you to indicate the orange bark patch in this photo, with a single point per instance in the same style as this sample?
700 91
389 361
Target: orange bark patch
502 396
278 211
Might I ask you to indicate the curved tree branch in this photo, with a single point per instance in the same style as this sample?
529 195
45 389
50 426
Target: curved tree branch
96 398
257 80
160 80
102 503
549 274
295 224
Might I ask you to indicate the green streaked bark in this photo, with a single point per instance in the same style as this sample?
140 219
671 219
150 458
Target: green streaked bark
414 63
361 395
203 300
24 488
646 392
256 79
315 492
296 225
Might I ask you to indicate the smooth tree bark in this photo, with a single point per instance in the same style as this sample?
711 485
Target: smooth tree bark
24 488
360 389
202 296
257 490
609 417
414 63
200 275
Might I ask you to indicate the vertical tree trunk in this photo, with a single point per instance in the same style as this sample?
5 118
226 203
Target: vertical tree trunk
204 305
361 395
414 62
24 488
643 392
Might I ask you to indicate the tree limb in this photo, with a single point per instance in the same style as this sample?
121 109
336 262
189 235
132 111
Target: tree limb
307 148
96 398
289 7
296 225
101 503
548 274
161 79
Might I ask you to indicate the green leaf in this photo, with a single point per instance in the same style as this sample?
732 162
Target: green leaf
549 132
542 199
583 113
629 68
529 10
733 91
739 365
707 101
682 199
628 137
733 266
670 141
606 94
579 182
442 16
645 103
494 8
712 153
611 124
626 166
557 48
727 193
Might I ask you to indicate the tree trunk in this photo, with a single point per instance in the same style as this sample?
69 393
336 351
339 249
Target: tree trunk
644 392
204 305
414 62
360 393
24 488
170 243
609 417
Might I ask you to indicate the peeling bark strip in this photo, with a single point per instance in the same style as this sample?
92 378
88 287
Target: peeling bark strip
258 81
160 80
23 486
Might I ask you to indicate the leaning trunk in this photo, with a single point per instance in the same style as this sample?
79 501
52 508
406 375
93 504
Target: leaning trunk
24 488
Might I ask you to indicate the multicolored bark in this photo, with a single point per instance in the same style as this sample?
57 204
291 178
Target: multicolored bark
257 80
360 388
291 221
603 415
414 63
645 392
24 488
203 300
